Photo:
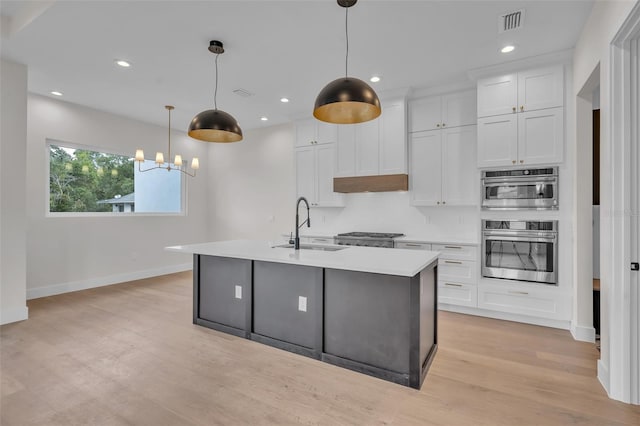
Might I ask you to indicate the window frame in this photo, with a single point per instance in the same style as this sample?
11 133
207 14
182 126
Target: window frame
47 177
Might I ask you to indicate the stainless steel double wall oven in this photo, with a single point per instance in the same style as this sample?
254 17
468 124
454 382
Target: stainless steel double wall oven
514 248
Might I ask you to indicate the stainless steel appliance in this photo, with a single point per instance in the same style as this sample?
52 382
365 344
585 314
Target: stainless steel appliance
520 189
369 239
520 250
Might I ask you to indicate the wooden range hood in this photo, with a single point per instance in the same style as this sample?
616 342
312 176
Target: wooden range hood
378 183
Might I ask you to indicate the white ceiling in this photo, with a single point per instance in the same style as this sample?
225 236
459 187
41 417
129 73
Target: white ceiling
273 49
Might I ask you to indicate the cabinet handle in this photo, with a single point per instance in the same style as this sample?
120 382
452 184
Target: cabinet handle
521 161
453 285
438 125
513 161
412 245
444 124
517 292
453 261
437 202
514 109
453 247
444 202
521 108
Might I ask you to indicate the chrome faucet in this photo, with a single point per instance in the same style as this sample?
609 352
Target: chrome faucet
296 241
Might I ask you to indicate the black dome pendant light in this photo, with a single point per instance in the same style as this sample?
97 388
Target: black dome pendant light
347 100
214 125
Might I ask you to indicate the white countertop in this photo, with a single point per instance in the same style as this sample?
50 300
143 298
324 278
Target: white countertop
400 262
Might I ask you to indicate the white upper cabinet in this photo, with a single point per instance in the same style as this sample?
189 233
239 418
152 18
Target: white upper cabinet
521 118
443 168
540 89
314 175
314 132
393 139
525 91
375 147
497 95
436 112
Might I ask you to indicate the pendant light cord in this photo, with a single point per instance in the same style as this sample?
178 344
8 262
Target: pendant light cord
346 32
169 151
215 93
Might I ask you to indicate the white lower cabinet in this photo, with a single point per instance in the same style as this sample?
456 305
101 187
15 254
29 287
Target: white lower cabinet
458 294
523 299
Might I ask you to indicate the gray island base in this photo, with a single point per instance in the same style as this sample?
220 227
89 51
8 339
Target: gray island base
383 325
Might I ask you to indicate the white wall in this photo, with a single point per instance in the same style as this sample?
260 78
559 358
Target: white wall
592 50
13 255
252 187
71 253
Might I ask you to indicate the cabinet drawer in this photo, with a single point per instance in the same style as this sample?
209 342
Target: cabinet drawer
458 271
524 301
413 246
458 294
456 251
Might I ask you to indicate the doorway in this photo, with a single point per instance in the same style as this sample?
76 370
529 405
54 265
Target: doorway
595 184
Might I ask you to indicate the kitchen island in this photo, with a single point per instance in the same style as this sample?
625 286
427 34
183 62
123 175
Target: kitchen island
371 310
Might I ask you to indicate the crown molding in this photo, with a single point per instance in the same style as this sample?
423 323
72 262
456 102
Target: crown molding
559 57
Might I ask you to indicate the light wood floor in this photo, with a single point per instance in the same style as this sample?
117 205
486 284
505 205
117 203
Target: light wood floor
128 354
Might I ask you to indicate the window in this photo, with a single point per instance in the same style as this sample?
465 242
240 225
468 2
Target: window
87 181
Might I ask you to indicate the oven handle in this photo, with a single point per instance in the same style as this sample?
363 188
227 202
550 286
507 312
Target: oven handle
520 180
524 239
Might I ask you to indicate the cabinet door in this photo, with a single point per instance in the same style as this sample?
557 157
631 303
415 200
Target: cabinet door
325 162
540 88
525 300
346 151
367 147
425 114
497 95
305 173
498 140
326 132
459 109
306 132
541 136
457 293
459 171
393 139
426 168
225 291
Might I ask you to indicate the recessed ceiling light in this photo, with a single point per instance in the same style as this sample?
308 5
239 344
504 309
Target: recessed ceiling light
374 79
263 118
123 64
508 48
56 93
284 100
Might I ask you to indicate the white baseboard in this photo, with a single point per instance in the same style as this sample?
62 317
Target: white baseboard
603 376
583 334
15 314
51 290
545 322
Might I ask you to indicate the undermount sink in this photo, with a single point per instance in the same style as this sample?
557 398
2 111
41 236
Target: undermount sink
311 247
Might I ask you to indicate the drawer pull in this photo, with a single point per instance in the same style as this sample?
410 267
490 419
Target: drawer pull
413 245
455 262
452 285
517 292
453 247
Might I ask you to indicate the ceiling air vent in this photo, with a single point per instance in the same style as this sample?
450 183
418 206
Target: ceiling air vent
242 92
511 21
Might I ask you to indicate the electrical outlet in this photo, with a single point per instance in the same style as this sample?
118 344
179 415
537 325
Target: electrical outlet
302 304
238 292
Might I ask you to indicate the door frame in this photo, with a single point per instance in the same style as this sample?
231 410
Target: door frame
624 332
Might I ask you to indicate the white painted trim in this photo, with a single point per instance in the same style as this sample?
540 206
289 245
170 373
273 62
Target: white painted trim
561 57
544 322
619 303
583 334
603 375
34 293
14 314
